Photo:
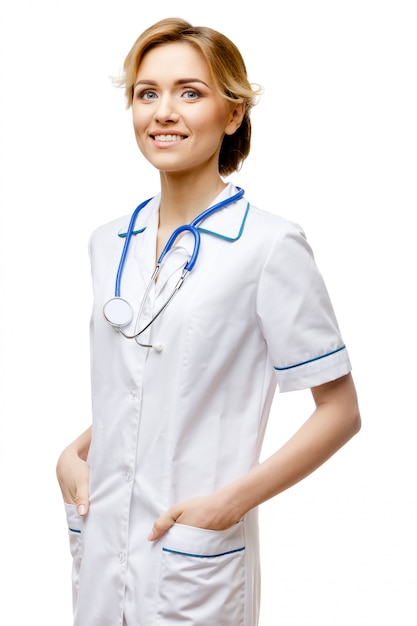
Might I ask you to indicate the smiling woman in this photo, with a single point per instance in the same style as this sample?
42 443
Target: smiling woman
175 98
162 492
226 74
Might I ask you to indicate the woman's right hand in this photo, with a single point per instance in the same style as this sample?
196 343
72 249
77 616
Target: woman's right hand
72 471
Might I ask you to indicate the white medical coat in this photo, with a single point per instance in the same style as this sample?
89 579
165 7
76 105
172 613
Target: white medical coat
185 421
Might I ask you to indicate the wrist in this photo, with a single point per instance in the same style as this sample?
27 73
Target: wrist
235 502
81 445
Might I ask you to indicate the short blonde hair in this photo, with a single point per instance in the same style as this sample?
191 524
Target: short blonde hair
227 69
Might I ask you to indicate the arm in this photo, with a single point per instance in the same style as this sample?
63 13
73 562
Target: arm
73 472
335 420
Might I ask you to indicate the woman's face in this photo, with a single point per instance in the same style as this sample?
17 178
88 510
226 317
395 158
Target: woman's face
179 117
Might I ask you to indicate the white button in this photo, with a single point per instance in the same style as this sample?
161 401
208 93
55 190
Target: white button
127 475
122 557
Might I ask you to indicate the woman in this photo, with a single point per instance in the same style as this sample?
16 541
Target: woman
162 492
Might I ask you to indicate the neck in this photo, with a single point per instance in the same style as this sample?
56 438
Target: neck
183 198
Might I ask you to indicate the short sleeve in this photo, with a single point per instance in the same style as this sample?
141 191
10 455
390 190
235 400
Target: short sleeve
296 316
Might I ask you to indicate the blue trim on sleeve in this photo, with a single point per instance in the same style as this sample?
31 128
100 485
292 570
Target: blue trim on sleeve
74 530
317 358
203 556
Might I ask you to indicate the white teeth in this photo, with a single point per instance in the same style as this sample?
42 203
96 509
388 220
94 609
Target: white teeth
168 137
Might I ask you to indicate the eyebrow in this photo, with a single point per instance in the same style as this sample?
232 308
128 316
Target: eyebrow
180 81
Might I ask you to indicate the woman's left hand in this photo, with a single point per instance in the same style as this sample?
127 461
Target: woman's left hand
213 512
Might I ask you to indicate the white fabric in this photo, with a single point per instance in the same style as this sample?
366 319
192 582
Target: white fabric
182 422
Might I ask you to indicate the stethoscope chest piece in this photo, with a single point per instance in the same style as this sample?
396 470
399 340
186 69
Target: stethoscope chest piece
118 312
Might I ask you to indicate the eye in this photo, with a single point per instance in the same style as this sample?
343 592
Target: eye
146 94
191 94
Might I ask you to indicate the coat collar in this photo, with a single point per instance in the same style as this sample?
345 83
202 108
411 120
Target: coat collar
227 223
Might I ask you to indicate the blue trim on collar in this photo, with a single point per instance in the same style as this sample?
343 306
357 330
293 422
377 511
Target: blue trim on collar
317 358
135 232
205 230
242 226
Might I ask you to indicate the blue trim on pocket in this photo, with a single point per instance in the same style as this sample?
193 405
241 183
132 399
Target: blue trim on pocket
202 556
74 530
317 358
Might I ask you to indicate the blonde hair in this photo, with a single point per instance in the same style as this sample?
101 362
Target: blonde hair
227 69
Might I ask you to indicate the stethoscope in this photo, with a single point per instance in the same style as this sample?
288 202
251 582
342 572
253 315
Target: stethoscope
117 311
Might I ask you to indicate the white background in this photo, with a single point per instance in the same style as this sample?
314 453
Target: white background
334 148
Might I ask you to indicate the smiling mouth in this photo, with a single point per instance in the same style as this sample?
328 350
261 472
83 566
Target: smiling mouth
168 138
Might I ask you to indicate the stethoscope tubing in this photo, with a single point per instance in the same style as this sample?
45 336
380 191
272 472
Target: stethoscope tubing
197 241
126 246
158 313
192 228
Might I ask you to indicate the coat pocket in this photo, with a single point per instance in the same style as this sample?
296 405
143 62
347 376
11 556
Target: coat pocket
75 530
202 576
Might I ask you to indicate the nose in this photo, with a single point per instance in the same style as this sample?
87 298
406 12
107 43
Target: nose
165 112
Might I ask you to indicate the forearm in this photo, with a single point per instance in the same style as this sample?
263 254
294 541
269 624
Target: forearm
335 420
331 426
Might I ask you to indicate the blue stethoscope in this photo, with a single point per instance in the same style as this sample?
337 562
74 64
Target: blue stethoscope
117 311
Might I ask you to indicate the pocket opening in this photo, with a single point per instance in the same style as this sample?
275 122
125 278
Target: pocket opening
203 556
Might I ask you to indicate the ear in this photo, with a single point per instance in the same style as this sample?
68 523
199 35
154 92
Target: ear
236 115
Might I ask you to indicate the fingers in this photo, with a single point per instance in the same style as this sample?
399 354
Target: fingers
73 478
162 524
82 500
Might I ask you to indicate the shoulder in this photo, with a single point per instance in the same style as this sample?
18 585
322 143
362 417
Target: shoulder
274 231
277 223
107 237
110 229
116 229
